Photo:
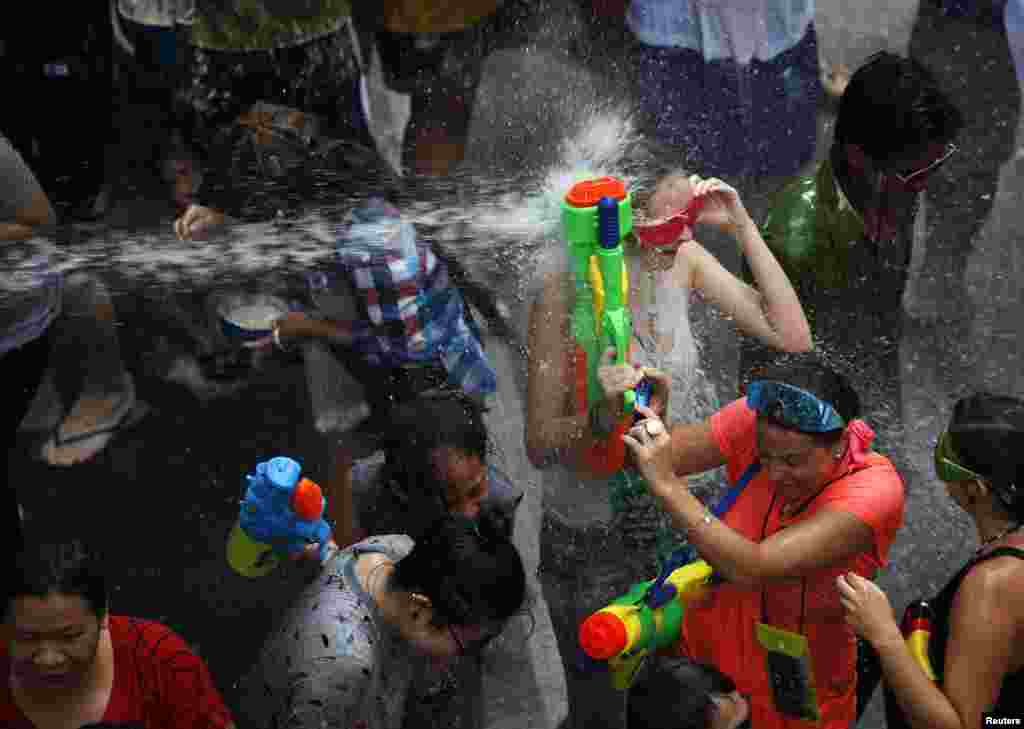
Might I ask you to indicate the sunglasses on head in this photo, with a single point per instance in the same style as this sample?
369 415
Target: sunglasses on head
946 466
921 173
665 232
793 406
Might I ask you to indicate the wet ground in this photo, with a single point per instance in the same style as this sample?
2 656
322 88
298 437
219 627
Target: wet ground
162 497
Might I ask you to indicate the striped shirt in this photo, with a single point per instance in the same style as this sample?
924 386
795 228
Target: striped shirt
409 312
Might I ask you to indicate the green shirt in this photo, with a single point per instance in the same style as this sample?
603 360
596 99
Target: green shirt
811 228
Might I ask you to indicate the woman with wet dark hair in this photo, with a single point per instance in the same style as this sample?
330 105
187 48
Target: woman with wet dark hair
382 611
67 660
435 463
672 693
976 647
812 501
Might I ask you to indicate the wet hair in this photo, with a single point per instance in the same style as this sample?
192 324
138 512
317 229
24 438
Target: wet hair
893 104
643 199
67 567
675 693
469 569
808 371
416 430
987 435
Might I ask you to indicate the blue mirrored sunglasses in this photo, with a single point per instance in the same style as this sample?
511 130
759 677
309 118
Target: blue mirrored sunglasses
793 406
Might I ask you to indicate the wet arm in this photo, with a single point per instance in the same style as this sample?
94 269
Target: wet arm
982 631
549 431
771 312
309 328
826 539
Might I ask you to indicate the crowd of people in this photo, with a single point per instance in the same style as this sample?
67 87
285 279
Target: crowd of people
421 570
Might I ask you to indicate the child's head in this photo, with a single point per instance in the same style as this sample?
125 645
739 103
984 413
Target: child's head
672 193
674 693
436 450
470 571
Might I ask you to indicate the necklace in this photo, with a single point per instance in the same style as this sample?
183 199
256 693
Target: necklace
997 537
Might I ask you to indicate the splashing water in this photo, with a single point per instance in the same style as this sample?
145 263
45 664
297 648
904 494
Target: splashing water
483 211
502 232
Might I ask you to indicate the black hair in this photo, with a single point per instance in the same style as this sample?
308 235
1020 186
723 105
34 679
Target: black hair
893 104
469 569
416 429
65 567
809 371
987 436
675 693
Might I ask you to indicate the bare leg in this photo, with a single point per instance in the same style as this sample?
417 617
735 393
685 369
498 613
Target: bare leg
105 396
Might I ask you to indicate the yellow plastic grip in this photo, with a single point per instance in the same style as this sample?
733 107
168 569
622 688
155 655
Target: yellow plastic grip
597 285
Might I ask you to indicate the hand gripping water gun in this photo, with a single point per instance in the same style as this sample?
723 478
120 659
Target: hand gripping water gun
648 617
280 514
917 629
596 215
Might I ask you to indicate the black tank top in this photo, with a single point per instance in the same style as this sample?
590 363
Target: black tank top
1011 695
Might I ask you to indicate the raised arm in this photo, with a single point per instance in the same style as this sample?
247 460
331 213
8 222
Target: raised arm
827 538
771 312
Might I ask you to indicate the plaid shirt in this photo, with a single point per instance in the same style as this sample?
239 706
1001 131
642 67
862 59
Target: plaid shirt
411 311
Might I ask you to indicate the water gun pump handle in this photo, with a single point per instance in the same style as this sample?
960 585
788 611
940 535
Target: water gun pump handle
660 591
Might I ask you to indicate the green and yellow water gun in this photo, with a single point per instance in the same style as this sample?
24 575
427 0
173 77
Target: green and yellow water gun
597 215
648 618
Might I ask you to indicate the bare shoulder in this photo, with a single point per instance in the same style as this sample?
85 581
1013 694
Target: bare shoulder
1000 579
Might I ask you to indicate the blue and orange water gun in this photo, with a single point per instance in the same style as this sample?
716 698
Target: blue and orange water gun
597 215
279 516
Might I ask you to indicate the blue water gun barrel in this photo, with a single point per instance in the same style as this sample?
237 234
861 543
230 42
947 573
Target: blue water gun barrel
608 222
269 527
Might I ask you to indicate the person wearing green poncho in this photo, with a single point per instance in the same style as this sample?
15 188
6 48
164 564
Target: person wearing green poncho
844 233
894 129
